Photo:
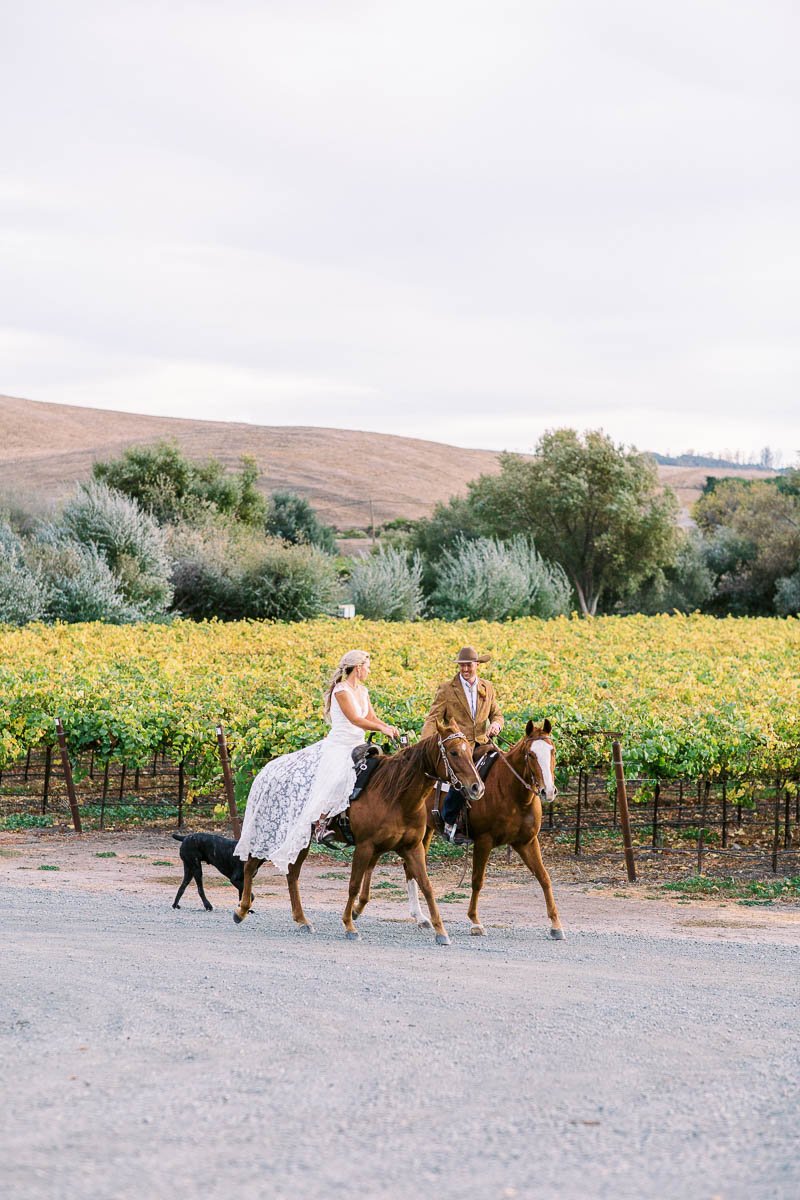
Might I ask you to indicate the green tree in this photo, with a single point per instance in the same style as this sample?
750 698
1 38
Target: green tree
172 488
595 508
686 586
431 536
292 518
752 530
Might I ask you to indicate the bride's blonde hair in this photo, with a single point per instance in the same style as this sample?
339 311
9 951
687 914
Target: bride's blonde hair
347 663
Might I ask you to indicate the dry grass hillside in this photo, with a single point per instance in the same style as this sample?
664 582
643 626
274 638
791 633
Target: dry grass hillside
46 448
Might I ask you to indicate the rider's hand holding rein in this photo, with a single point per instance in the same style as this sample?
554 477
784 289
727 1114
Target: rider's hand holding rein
371 721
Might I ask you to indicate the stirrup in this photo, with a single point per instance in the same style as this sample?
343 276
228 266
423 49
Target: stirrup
324 835
454 837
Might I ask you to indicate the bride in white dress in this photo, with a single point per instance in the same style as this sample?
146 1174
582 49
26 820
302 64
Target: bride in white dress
293 791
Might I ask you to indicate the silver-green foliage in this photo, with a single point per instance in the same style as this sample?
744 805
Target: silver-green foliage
127 539
387 586
488 579
23 592
81 585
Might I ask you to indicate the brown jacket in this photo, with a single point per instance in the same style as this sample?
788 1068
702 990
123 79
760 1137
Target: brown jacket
450 704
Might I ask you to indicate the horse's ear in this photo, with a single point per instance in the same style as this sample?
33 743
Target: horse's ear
529 729
547 727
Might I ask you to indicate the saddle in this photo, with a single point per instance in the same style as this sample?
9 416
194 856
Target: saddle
365 760
484 764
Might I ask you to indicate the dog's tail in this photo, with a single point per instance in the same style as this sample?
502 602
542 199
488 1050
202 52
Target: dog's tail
180 837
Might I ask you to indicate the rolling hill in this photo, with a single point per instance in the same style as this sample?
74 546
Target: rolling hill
46 448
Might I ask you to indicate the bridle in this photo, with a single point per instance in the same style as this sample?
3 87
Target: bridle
452 778
528 784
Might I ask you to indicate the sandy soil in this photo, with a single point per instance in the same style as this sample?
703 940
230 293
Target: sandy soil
147 863
158 1053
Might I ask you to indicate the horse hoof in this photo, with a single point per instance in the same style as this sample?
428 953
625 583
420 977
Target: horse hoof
424 924
442 939
237 920
477 930
307 928
352 935
557 935
356 915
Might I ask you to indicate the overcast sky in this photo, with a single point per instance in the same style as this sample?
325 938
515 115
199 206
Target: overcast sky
467 221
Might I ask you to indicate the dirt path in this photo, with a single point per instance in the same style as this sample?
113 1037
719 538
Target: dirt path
154 1052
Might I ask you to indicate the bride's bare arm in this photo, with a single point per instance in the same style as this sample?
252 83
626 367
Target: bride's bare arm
371 721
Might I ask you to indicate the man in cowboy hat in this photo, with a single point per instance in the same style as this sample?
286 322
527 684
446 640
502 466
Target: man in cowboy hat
471 703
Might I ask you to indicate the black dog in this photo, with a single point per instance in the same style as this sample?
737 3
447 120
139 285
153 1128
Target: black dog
199 848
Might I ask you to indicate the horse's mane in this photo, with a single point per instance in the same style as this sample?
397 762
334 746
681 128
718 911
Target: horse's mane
398 771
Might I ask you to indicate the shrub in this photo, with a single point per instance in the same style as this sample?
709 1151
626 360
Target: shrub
227 571
23 592
81 585
290 583
787 595
486 579
292 518
172 488
684 587
387 586
128 539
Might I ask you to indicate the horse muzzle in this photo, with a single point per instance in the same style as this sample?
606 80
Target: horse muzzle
475 790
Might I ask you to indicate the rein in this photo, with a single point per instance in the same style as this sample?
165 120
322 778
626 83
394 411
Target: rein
528 784
451 775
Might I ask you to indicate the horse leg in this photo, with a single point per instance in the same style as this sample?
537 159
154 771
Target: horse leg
292 879
480 857
246 898
362 858
413 891
531 854
414 860
363 895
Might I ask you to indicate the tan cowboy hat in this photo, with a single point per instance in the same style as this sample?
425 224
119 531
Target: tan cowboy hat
470 654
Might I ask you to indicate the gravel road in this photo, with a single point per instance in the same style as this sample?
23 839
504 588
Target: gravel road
151 1053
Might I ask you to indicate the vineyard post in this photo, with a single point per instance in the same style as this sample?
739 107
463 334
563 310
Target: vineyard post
656 795
48 766
776 833
578 815
724 811
224 757
181 789
27 763
701 835
67 765
787 826
624 816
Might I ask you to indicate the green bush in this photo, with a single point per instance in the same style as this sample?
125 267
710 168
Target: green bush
81 585
292 518
172 488
127 538
290 583
226 571
23 591
387 586
486 579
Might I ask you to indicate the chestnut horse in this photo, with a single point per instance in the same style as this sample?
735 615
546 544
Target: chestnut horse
389 814
508 814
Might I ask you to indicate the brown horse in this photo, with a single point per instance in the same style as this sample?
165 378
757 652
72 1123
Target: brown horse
508 814
389 814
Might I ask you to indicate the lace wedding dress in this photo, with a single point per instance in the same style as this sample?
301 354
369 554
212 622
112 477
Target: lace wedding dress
292 792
